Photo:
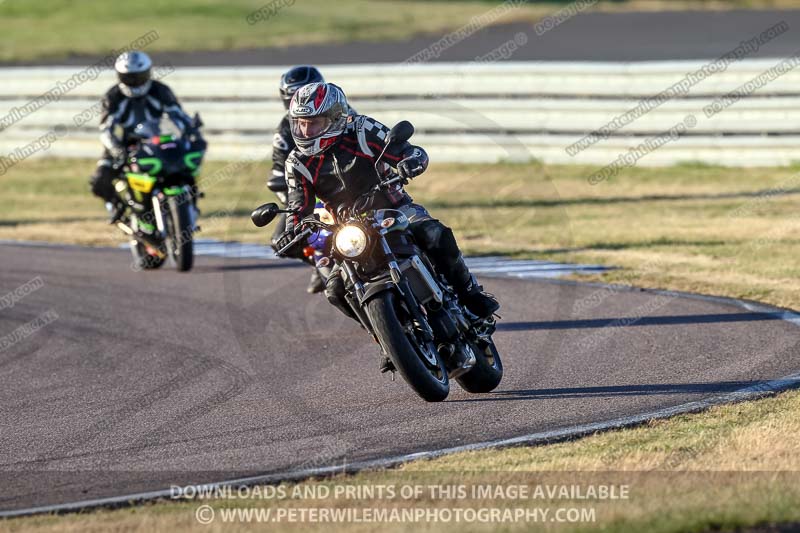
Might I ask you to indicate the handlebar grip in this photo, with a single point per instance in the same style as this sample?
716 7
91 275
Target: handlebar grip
300 237
392 181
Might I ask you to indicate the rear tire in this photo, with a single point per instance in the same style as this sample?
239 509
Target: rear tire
382 313
487 373
179 239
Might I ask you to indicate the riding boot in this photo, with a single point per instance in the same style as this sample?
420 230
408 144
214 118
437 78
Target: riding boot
470 293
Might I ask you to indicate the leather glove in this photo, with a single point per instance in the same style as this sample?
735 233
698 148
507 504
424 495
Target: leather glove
410 167
283 241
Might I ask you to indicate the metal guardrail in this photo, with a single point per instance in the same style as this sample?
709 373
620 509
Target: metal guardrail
463 112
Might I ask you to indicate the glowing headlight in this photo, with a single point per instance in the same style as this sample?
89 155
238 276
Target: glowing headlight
351 241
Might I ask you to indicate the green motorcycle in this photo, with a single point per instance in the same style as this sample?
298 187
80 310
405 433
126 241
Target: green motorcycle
158 187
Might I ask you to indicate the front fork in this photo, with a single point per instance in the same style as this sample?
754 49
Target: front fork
399 280
159 213
402 288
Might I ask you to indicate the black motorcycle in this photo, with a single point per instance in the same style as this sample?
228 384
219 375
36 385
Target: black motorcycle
158 188
399 297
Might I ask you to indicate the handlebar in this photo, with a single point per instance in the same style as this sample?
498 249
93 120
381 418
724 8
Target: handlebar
310 222
300 236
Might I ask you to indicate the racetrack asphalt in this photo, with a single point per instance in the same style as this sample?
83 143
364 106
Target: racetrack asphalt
142 380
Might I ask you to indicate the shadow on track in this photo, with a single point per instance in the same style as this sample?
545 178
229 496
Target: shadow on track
258 266
614 391
673 320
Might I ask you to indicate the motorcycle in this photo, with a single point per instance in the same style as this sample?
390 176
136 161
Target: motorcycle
398 296
158 189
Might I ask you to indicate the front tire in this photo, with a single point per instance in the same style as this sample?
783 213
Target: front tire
179 239
487 373
432 385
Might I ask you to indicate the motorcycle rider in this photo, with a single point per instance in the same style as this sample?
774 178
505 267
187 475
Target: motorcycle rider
136 98
334 161
282 145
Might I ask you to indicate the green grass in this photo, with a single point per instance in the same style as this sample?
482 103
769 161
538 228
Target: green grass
65 27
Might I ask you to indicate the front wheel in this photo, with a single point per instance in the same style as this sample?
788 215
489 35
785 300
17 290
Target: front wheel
487 373
179 239
420 366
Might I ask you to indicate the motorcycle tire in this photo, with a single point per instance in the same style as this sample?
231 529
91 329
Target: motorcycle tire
432 385
179 240
487 373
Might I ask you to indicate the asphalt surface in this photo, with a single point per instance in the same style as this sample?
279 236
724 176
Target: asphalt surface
634 36
143 380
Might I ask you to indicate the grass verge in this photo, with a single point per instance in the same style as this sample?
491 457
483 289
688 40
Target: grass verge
94 26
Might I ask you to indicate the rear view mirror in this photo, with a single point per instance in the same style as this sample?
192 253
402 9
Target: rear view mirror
264 214
400 133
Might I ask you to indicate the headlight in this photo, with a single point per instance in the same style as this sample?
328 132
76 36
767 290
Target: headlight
351 241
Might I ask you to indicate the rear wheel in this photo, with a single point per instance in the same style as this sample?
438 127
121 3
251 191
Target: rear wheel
487 373
419 364
179 233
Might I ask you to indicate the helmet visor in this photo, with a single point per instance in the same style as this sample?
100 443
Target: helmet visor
307 128
134 79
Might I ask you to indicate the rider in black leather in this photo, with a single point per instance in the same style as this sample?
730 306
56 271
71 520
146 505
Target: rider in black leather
334 161
135 99
282 145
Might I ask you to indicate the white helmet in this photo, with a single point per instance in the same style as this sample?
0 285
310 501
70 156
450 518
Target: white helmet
318 115
133 72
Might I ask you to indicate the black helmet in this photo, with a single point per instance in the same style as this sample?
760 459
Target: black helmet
133 72
296 77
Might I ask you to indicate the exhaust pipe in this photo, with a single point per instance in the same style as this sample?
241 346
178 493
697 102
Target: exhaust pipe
138 238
